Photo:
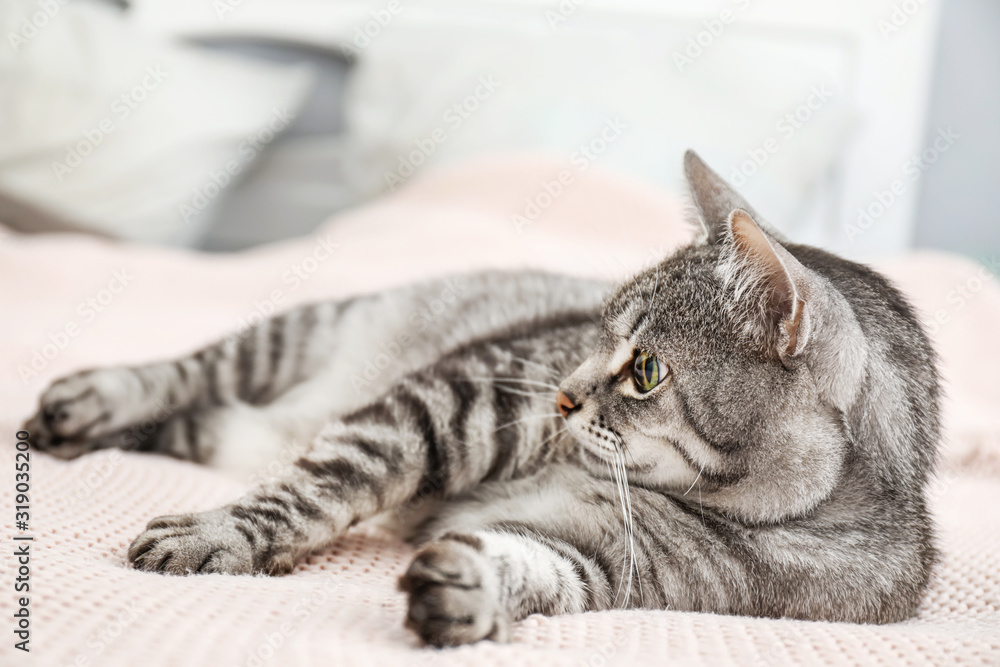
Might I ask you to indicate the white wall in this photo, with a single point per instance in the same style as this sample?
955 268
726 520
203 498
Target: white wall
959 207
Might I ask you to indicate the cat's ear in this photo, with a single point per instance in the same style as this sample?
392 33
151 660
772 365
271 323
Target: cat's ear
769 289
714 199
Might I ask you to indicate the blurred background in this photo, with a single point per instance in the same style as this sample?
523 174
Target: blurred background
865 126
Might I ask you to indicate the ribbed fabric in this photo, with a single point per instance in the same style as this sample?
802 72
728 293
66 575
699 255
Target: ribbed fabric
340 607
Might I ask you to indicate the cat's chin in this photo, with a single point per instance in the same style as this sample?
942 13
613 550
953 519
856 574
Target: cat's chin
597 453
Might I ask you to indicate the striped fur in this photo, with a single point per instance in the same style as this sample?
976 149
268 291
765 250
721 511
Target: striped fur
779 469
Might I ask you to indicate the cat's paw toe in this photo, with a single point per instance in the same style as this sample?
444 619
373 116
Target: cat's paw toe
71 413
41 436
210 542
453 596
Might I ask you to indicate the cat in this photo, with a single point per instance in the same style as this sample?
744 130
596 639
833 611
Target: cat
746 428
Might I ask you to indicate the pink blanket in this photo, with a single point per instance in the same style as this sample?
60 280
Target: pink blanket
70 302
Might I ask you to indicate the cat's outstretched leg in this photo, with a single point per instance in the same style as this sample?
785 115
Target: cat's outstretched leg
352 351
163 406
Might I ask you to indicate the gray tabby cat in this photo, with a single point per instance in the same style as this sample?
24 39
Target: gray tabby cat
746 428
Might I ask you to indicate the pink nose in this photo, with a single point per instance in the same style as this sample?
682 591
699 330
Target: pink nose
564 403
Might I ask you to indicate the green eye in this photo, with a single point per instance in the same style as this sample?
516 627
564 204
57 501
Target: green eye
647 371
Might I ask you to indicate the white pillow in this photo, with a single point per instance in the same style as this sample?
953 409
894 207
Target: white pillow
107 128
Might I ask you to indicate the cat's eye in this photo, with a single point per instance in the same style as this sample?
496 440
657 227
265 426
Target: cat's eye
647 371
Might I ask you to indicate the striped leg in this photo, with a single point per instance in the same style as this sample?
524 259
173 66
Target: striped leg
160 406
440 431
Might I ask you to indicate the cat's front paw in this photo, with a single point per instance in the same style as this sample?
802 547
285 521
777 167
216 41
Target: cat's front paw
453 596
208 542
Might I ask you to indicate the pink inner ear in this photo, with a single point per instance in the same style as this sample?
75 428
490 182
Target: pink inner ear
762 259
760 255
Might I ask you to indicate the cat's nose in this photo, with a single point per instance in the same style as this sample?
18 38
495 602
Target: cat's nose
565 403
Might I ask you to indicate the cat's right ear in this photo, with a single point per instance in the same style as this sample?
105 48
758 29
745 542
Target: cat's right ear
714 198
770 290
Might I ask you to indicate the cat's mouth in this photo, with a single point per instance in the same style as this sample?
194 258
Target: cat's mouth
606 445
595 450
599 448
601 440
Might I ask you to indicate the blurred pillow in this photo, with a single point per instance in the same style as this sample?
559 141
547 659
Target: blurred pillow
108 129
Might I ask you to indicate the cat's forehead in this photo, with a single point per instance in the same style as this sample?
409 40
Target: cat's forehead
683 286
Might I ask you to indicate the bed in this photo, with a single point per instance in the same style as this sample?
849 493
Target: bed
73 301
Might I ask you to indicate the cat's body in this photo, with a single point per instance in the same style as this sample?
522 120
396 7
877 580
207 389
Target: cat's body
751 427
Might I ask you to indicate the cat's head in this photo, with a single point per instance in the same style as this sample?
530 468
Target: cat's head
724 370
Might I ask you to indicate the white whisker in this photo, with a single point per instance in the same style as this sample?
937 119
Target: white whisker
630 525
545 368
553 436
701 506
635 276
627 451
502 382
656 286
621 501
634 564
628 534
514 380
528 418
695 481
530 394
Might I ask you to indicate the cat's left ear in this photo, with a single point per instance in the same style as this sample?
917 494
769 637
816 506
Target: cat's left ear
714 199
769 288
